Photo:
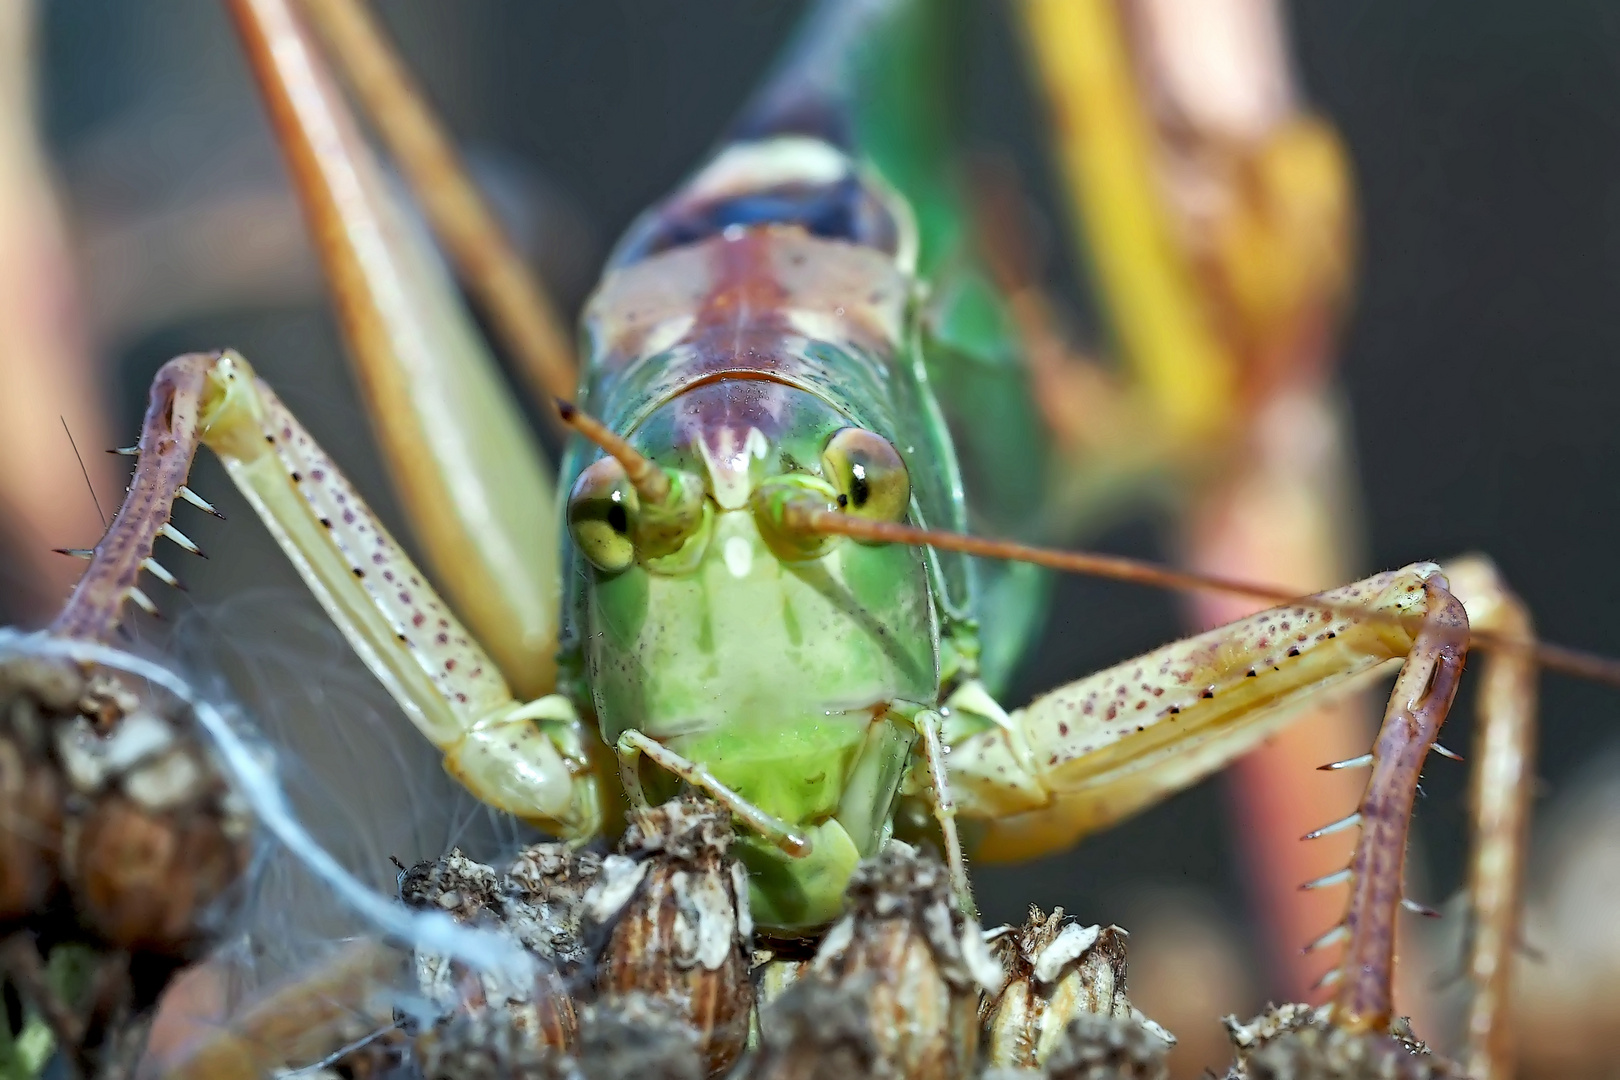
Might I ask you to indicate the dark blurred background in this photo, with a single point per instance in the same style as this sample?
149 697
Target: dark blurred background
1479 363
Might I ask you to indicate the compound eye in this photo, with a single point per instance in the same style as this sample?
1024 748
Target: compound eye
602 514
868 474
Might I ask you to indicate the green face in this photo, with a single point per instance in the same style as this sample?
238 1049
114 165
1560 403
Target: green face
771 663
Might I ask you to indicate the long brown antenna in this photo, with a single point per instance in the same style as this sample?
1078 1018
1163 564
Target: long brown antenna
810 516
646 477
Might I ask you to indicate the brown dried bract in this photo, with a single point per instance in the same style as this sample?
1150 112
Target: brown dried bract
815 1030
32 795
488 1045
637 1037
677 906
545 900
462 888
1298 1042
338 1003
539 913
634 1038
119 832
142 876
145 834
926 961
1056 973
1095 1047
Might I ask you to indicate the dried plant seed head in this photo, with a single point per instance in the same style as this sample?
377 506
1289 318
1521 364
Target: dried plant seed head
106 700
488 1045
815 1030
1400 1029
31 804
1275 1021
553 873
1096 1047
674 906
454 884
116 797
373 1055
775 975
690 828
1298 1042
1056 971
638 1037
541 1009
927 961
544 900
1334 1054
466 891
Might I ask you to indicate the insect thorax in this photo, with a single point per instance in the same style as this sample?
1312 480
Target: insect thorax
735 358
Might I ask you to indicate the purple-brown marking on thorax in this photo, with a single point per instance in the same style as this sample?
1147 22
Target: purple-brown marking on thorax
751 304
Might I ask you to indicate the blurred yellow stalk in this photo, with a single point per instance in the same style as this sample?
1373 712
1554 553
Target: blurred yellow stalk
1215 215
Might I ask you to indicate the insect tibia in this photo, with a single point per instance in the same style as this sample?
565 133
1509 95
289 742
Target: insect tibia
1417 707
169 437
1500 802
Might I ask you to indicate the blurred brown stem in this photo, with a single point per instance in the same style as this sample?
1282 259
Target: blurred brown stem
46 374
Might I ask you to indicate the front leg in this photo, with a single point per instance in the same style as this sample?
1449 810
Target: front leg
633 745
1083 757
531 760
469 473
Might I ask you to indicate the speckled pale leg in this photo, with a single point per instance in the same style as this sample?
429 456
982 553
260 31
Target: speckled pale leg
1085 756
1503 757
468 471
526 759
